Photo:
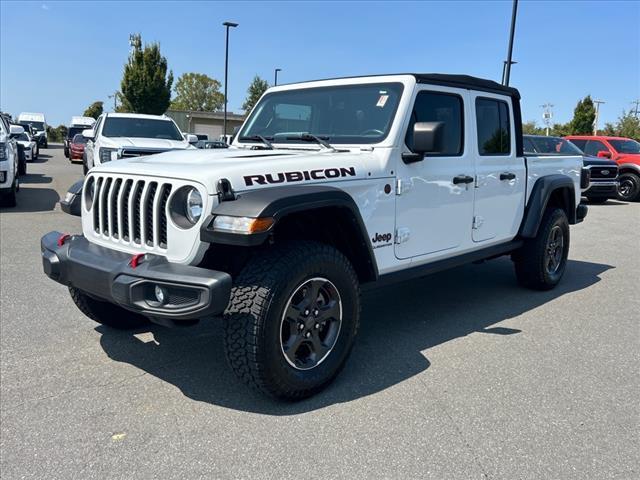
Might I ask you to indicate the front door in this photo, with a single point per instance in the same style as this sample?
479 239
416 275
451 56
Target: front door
433 211
500 173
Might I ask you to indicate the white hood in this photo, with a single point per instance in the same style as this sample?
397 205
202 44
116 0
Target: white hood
150 143
248 169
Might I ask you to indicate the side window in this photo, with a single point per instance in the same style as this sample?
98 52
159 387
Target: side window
440 107
595 146
528 146
494 132
580 143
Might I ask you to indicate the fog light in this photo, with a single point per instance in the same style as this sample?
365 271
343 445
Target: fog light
161 294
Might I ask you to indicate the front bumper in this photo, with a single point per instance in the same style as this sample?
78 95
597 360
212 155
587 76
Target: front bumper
607 189
190 292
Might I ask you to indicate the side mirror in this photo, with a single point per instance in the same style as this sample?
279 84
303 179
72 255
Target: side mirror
72 200
427 138
604 154
15 130
89 133
192 139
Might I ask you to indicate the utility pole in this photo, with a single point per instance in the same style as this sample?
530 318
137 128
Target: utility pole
509 62
275 76
547 115
226 73
636 103
595 120
115 100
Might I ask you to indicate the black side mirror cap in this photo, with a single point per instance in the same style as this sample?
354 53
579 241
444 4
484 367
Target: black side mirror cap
427 138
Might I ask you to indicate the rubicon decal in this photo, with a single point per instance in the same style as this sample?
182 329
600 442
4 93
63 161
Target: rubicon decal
299 176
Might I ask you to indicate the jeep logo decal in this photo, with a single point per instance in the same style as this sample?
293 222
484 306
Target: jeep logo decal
385 237
282 177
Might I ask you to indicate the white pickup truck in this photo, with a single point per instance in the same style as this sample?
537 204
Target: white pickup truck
115 136
329 186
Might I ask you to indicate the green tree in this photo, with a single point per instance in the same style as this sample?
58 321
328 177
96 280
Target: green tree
628 126
146 86
196 91
583 117
257 87
530 128
57 134
561 129
94 110
609 129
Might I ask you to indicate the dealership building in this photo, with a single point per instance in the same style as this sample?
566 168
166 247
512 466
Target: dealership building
210 123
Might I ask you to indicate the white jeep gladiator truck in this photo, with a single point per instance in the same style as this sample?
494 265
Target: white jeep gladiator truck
328 187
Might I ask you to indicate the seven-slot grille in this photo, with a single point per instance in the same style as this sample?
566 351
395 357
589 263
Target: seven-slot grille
131 210
132 152
603 173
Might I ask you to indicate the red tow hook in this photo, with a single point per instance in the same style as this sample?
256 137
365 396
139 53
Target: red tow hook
136 260
63 238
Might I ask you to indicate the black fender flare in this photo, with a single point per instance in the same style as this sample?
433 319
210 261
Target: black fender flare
278 203
539 198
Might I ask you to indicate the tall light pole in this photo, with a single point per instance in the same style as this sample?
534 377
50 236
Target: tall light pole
504 69
275 76
509 62
226 71
595 120
547 115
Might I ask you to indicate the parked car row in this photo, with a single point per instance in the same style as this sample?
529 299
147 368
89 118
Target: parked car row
10 161
77 125
37 125
613 163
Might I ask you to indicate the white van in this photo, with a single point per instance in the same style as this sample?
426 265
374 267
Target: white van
39 125
77 125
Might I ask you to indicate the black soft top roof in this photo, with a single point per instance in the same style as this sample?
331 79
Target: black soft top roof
466 81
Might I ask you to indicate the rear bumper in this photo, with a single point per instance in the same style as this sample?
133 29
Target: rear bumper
190 292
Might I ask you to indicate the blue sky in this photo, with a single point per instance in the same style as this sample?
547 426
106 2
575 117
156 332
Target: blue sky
58 57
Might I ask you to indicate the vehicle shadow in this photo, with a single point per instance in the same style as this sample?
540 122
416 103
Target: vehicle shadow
34 199
400 324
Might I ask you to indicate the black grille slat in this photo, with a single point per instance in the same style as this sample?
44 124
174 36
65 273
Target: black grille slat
137 197
115 229
166 191
96 201
104 204
125 209
148 207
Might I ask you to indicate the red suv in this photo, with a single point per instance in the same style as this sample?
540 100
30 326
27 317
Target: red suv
624 151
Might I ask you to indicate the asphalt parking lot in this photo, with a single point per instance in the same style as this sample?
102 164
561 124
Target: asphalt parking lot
460 375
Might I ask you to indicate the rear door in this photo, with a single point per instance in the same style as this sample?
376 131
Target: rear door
500 174
433 214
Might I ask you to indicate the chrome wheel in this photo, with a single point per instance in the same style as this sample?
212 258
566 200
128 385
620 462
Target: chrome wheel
554 250
311 323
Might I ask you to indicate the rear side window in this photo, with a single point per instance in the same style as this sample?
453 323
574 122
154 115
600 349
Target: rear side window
494 132
440 107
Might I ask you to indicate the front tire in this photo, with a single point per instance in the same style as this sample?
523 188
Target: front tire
629 187
541 261
10 200
292 319
106 313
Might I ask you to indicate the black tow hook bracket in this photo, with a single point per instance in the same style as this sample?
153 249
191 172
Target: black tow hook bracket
225 190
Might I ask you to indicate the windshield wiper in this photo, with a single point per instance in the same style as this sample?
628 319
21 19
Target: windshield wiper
309 137
259 138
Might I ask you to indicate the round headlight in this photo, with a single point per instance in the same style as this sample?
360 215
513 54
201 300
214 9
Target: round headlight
194 205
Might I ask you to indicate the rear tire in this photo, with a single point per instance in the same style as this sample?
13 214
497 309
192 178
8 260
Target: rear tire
541 261
629 187
282 333
106 313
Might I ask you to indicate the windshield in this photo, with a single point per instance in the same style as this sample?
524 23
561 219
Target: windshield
23 137
140 128
553 146
78 138
339 114
625 146
73 131
37 125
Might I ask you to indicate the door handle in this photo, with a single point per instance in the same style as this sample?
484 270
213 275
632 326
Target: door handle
462 179
507 176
